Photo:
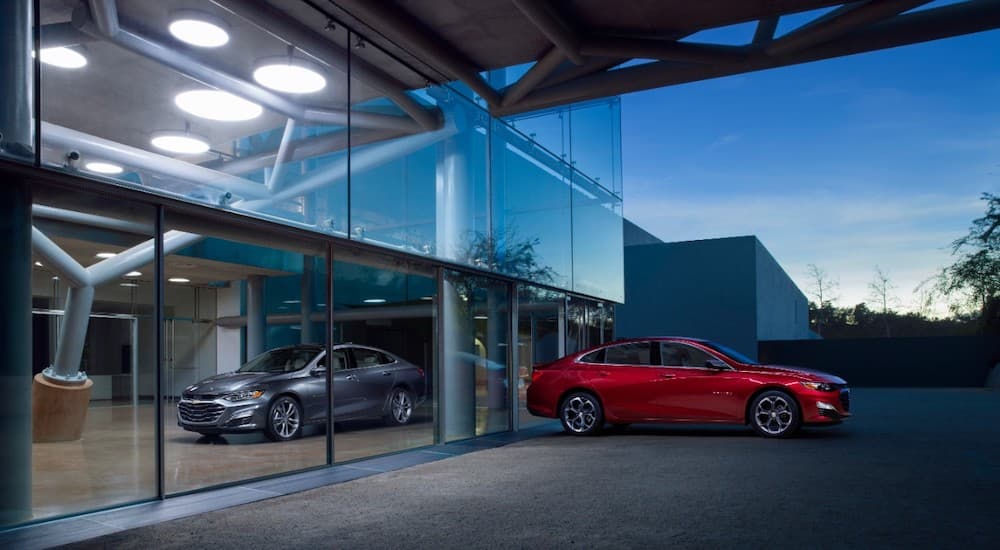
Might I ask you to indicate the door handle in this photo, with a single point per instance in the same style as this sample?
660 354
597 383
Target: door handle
352 377
386 373
603 373
666 376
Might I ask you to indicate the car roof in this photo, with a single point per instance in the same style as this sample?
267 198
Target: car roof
644 339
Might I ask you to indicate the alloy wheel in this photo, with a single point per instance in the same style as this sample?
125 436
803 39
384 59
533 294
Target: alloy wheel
285 419
774 415
401 407
580 413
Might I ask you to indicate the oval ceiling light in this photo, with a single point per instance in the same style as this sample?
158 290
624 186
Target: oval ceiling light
289 74
106 255
179 142
103 168
374 301
199 29
178 280
217 105
134 274
64 58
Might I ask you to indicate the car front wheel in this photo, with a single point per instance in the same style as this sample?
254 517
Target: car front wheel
775 414
400 407
581 414
284 419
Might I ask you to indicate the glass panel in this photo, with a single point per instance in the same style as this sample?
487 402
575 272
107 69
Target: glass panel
244 332
204 124
384 313
594 132
576 325
17 80
421 190
475 356
532 232
541 322
92 299
598 249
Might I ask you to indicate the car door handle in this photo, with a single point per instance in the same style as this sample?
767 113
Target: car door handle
386 373
352 377
666 376
603 373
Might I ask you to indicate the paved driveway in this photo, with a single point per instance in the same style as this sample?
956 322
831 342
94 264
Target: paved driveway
915 468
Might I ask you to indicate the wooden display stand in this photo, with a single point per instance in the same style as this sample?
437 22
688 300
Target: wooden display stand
58 411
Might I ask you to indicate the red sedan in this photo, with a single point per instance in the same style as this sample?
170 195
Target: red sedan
665 380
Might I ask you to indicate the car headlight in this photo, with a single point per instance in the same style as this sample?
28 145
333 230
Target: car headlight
243 395
819 386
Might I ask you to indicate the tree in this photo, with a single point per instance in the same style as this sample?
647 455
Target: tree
821 288
881 289
975 275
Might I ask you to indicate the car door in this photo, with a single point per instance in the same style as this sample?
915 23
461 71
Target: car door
692 390
627 380
348 397
313 390
374 379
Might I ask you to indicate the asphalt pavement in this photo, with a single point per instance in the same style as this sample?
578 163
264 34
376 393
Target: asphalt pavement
915 468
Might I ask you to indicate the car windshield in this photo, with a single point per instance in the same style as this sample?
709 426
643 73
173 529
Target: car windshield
731 353
280 360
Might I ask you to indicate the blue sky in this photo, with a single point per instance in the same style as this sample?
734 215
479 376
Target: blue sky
874 159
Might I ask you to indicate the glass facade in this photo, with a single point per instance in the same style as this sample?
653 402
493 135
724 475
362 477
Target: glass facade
231 279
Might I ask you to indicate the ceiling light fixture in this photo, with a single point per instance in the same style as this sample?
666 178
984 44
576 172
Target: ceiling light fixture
103 168
106 255
179 280
130 285
375 301
217 105
39 264
63 57
180 142
133 274
289 74
199 29
481 317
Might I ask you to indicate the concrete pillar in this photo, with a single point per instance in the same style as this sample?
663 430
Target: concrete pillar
17 83
458 383
15 341
453 212
256 318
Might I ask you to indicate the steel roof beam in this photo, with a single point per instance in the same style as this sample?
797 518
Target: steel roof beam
765 30
839 22
553 26
664 50
922 26
423 42
535 75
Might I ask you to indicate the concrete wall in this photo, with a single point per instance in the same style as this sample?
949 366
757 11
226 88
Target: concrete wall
958 361
782 309
705 289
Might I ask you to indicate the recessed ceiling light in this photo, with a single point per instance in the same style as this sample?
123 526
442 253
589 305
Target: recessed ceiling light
481 317
199 29
39 264
64 58
103 168
179 142
375 301
134 274
289 74
292 302
128 284
217 105
426 297
106 255
179 280
55 278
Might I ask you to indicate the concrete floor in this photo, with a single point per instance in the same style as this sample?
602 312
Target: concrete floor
914 468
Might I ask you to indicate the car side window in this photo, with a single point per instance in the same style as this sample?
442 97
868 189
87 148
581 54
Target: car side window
339 360
635 353
593 357
680 355
385 359
366 357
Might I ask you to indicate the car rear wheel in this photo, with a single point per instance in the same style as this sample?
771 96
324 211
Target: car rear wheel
284 419
775 414
581 414
400 407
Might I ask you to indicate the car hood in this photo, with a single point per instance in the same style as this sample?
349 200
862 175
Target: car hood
231 381
799 372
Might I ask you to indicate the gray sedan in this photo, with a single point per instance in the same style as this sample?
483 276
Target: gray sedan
283 389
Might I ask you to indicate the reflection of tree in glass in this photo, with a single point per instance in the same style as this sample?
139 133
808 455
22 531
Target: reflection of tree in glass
507 253
976 274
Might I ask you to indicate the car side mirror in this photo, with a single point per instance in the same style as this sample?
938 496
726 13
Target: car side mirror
318 371
716 364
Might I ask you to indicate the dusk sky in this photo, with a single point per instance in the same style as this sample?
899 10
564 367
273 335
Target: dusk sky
874 159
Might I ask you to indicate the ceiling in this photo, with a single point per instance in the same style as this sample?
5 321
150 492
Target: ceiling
586 49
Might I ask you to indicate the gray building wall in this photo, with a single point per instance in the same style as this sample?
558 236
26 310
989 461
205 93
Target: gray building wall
728 290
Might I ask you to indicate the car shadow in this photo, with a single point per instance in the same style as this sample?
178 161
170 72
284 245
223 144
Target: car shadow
710 431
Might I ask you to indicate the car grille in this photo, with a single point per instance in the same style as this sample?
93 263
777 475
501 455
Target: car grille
201 396
845 399
199 413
